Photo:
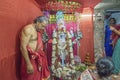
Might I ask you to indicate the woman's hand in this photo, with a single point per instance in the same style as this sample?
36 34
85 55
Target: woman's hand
112 28
112 43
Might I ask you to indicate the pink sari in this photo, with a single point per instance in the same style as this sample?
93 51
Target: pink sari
114 35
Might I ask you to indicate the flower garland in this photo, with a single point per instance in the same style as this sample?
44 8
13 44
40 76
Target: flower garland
65 5
60 70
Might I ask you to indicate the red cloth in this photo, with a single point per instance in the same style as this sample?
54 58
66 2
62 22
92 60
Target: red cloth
39 61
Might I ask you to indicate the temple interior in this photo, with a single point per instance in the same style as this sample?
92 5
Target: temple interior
86 20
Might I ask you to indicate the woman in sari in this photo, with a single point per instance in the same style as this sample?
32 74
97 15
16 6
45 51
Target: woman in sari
116 52
108 40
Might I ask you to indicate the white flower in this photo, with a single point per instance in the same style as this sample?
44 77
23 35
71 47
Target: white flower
54 34
53 47
71 49
54 41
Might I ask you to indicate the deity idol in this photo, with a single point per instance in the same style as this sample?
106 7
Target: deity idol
63 65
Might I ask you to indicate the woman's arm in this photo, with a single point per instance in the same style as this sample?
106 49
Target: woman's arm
115 30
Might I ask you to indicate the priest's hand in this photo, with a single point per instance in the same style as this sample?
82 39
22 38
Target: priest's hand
30 68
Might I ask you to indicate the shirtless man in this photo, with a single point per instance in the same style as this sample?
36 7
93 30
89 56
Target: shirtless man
34 62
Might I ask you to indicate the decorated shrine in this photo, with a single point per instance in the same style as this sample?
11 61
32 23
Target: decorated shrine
64 33
75 38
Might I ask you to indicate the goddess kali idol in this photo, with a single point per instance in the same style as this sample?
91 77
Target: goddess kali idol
63 65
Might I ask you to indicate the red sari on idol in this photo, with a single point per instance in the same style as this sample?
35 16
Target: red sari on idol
39 61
